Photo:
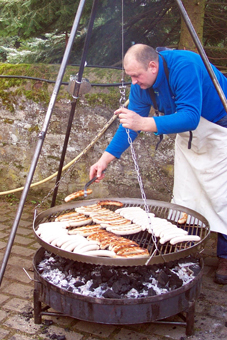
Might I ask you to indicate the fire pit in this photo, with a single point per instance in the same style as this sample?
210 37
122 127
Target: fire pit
121 310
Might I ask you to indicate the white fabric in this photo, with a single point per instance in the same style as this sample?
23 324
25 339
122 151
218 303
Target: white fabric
200 173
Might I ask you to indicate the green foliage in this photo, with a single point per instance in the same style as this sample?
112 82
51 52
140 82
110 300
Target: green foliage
34 31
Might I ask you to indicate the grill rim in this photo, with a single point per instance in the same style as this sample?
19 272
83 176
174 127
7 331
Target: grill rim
156 259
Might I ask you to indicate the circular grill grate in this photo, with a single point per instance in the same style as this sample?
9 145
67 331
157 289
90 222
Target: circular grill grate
196 225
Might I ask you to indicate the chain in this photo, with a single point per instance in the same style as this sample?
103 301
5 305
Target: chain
122 100
143 195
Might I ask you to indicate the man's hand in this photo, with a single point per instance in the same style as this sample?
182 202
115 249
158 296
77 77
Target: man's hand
131 120
97 168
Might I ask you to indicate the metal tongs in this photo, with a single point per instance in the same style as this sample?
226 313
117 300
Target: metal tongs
89 183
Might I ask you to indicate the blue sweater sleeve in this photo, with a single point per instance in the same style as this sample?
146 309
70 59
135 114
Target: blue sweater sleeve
120 141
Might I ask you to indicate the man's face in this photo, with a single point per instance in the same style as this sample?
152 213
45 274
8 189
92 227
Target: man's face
145 78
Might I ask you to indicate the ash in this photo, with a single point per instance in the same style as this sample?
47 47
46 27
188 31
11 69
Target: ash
117 282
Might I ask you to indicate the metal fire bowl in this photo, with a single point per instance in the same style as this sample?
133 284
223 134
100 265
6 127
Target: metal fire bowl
116 311
196 225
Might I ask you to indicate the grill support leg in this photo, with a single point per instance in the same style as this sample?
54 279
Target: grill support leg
190 314
37 307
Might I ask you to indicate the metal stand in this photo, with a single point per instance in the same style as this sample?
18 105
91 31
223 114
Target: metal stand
202 53
42 134
74 101
41 138
41 309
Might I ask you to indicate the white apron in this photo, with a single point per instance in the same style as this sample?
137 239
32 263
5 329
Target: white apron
200 173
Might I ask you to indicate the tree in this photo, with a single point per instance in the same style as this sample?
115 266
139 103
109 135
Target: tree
153 22
195 10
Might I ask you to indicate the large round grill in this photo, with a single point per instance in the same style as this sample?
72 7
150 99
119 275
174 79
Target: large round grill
196 225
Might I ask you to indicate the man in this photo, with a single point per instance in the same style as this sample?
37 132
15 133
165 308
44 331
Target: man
184 92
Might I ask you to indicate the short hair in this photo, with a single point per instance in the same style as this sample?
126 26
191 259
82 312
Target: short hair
142 53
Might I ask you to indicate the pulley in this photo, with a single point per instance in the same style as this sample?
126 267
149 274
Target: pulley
85 85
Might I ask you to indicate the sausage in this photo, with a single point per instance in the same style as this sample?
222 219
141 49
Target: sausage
77 194
170 236
179 231
103 253
183 218
185 238
87 248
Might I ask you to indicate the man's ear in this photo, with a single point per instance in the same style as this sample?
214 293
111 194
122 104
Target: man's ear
153 66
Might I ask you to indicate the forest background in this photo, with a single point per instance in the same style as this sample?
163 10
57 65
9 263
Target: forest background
36 31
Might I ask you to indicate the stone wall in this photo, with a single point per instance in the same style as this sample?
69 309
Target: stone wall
21 122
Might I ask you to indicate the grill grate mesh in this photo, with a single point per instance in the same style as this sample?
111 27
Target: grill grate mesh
196 225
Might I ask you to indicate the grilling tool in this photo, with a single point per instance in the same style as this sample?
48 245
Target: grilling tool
89 183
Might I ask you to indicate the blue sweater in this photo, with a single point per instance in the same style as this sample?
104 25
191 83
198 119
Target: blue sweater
189 95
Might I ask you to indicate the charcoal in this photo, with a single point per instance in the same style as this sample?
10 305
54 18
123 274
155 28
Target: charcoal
104 286
109 294
111 281
48 322
122 286
195 268
137 284
97 279
94 285
78 283
117 282
151 292
162 278
106 273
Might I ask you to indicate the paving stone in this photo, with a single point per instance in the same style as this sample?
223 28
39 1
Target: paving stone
69 335
215 296
20 323
3 333
127 334
3 234
17 305
24 263
169 331
18 272
2 245
3 315
25 231
20 290
27 218
3 298
23 240
102 331
22 251
19 337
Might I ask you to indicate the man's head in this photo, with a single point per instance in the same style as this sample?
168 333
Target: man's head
141 64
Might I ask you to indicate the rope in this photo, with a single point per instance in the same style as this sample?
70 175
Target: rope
105 127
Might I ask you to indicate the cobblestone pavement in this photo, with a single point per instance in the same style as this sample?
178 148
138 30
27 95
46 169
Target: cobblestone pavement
16 298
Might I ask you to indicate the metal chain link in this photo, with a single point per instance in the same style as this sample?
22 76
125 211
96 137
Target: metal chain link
143 195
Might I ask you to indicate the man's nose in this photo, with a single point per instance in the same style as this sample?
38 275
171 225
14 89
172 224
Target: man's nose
134 81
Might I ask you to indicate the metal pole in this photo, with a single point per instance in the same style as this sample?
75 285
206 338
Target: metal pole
202 53
41 138
74 101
